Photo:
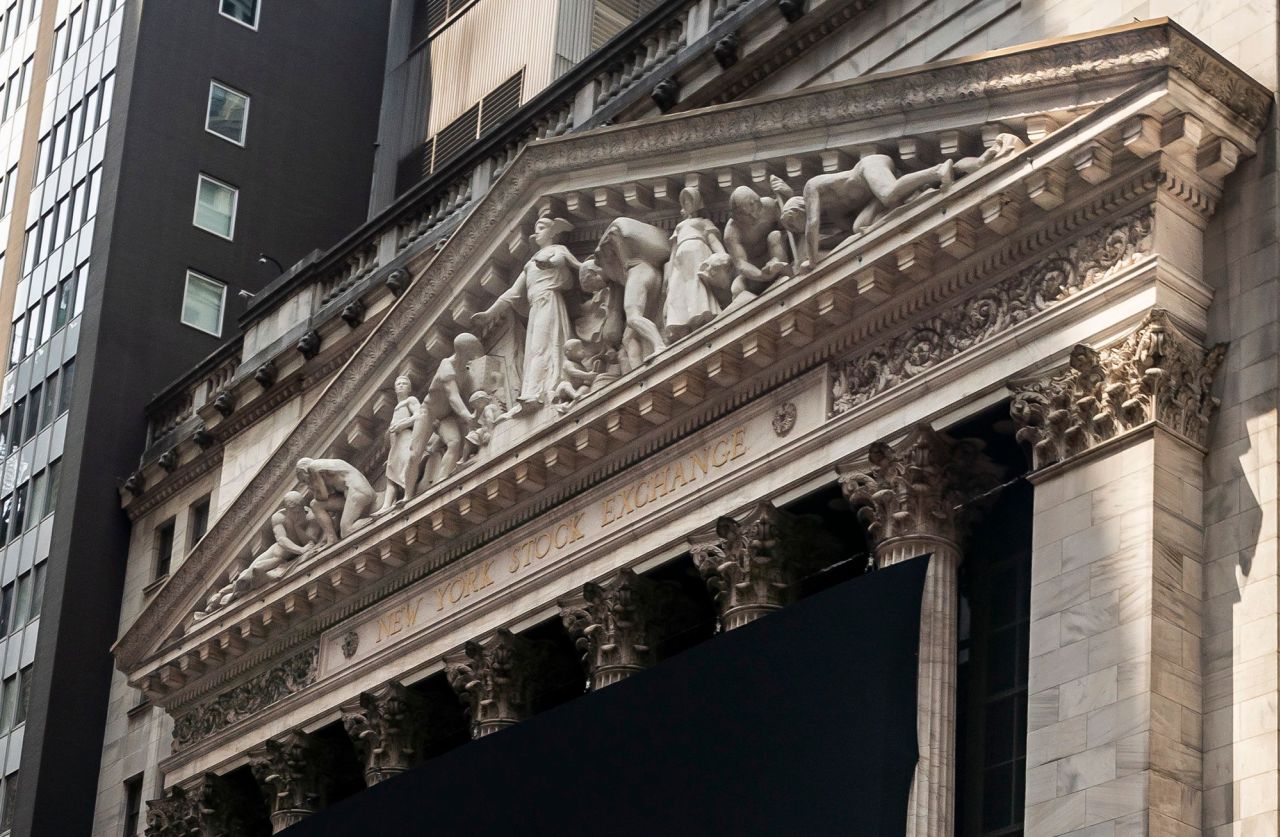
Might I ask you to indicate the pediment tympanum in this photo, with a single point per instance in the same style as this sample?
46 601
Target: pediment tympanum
617 289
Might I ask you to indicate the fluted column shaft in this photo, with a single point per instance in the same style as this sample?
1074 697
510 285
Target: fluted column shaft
916 497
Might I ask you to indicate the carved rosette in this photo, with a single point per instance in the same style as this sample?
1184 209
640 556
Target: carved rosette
1157 374
176 814
385 725
611 625
747 565
291 772
494 681
917 489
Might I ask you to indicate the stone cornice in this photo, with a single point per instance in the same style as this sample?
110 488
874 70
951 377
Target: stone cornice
1106 58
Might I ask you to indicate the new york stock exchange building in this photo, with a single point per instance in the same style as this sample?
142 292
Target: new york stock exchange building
880 456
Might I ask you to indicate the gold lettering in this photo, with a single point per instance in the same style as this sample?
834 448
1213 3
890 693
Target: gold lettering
484 574
541 552
411 612
574 523
739 442
561 537
515 561
682 481
720 453
606 511
699 462
642 495
439 599
461 590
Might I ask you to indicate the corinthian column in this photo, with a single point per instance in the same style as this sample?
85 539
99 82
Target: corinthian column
385 726
494 681
210 808
611 624
751 566
913 497
291 771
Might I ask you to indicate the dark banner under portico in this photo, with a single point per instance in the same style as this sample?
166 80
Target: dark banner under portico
800 723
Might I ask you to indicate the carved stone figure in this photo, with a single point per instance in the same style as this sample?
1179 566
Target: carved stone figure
337 488
400 456
296 532
853 200
690 302
631 254
441 426
753 237
579 377
540 288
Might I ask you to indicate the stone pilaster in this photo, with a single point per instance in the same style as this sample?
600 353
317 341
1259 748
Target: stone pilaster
385 726
1115 693
494 680
750 566
291 771
612 625
916 498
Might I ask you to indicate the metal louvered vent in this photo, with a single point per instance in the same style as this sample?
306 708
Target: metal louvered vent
455 136
609 17
501 103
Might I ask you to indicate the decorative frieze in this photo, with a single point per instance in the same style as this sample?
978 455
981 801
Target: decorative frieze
385 725
957 328
246 699
292 771
752 566
494 680
1157 374
612 625
922 486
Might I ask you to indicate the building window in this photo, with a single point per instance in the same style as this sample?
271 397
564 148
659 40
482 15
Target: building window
22 604
10 801
203 302
199 521
241 11
164 548
67 382
53 475
24 696
216 207
6 607
132 805
228 113
37 591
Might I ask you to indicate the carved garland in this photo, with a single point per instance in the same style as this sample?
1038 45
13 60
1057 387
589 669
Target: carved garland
273 685
1009 303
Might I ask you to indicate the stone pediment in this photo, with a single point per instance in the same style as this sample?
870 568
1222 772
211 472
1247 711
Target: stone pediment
981 179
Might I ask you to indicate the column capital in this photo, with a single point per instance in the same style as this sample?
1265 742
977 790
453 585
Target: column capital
176 814
611 624
385 726
752 566
918 487
1158 374
291 771
494 680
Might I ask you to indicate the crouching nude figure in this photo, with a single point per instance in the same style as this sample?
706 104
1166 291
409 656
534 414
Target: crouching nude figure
337 488
295 532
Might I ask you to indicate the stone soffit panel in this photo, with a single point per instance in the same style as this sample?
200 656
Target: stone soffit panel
1143 76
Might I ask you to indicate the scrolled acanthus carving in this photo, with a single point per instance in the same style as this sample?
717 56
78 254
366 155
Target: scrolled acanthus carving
291 770
1007 304
752 566
246 699
612 626
494 680
385 726
924 485
211 808
176 814
1157 374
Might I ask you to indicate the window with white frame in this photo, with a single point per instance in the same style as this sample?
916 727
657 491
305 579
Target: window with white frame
203 302
216 206
241 11
228 113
